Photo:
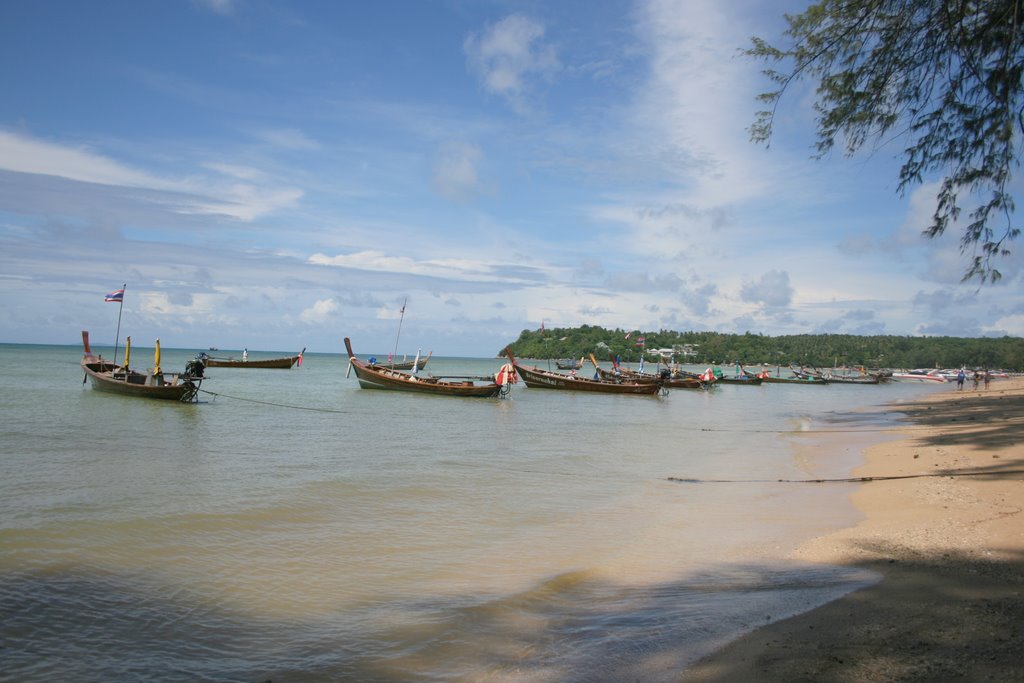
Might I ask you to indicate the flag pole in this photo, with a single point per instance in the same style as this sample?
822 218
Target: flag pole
117 337
400 319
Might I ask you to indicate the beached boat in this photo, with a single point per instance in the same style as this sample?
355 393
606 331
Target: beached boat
538 378
920 375
373 376
245 362
121 379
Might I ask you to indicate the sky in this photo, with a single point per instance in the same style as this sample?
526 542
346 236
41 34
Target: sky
278 175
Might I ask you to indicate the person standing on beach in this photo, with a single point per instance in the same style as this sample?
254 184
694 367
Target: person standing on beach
988 377
977 379
960 377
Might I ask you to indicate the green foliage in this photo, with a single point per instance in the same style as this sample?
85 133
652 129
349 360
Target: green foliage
945 75
821 350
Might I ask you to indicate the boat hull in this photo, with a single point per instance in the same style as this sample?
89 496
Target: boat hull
813 381
270 363
751 381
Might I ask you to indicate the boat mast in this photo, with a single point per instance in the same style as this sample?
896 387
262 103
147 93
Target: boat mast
117 337
400 319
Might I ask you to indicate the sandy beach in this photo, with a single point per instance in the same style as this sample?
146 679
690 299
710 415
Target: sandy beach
944 529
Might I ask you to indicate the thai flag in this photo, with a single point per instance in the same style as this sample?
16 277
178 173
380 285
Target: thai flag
640 341
116 297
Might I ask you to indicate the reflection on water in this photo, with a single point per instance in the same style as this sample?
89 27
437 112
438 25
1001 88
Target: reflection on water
294 527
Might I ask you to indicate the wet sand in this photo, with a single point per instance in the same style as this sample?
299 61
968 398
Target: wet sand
943 527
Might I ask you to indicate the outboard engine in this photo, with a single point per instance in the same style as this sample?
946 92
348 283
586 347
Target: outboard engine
195 367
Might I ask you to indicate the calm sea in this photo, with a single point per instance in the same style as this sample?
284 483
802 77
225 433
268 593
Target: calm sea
294 527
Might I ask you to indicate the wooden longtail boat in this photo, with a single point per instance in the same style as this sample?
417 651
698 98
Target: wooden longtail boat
408 364
667 378
372 376
120 379
739 379
266 363
814 381
546 379
767 378
837 379
849 379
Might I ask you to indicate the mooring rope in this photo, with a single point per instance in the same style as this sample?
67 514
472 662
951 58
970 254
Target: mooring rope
804 431
847 480
276 405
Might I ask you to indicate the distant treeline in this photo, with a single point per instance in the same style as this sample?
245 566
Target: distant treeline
821 350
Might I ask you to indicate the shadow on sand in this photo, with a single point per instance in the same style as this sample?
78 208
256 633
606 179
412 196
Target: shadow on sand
942 617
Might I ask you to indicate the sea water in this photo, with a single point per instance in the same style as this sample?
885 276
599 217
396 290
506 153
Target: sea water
294 527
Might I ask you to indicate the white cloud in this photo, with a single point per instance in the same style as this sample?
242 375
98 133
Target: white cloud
507 53
319 312
772 290
288 138
224 7
1009 324
23 154
452 269
699 99
246 173
455 173
210 195
246 202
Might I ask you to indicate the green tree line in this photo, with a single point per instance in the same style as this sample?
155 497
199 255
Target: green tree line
821 350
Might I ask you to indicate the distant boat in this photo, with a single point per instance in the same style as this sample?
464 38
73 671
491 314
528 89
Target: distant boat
408 364
120 379
374 376
267 363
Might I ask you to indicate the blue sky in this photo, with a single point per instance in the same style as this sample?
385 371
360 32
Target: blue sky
279 175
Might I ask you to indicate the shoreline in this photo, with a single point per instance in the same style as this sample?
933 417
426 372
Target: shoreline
943 525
